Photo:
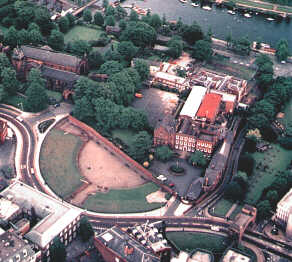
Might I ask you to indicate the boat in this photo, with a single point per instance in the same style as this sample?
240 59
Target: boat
270 19
231 12
247 15
208 8
183 1
194 4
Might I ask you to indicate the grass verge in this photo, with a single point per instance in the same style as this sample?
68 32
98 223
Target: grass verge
123 200
222 207
58 162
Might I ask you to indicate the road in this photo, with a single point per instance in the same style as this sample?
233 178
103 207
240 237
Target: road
26 162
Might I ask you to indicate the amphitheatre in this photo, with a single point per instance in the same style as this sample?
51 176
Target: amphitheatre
80 167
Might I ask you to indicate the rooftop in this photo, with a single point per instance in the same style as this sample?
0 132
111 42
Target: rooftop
209 107
8 209
55 214
233 255
44 54
59 74
125 246
193 102
11 246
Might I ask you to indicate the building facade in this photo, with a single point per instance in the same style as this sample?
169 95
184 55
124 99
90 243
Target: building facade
3 131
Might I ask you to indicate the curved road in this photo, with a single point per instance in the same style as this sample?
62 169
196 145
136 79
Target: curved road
26 162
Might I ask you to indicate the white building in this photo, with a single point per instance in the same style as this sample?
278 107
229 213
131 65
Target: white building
56 218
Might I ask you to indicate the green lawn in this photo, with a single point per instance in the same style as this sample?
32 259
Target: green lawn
226 67
189 241
254 4
284 9
126 135
123 200
277 160
54 94
58 162
222 207
82 33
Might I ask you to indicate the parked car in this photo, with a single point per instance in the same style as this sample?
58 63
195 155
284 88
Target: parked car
56 105
162 178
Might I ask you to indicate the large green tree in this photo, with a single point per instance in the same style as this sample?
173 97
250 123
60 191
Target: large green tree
98 18
110 67
175 46
197 159
263 209
43 20
140 33
64 24
282 50
37 99
95 60
163 153
142 68
35 37
127 50
85 229
80 47
10 37
87 16
56 40
202 50
155 21
141 145
192 33
57 251
9 81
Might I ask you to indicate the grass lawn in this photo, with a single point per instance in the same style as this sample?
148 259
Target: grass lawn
254 4
284 9
58 162
126 135
15 101
54 94
82 33
222 207
236 211
123 200
277 160
189 241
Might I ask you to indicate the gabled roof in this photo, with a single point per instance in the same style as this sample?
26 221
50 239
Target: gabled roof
59 74
209 106
44 54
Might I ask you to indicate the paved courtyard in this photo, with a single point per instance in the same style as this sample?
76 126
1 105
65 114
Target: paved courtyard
181 182
156 103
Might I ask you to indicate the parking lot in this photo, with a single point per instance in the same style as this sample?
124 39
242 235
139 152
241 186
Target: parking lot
156 103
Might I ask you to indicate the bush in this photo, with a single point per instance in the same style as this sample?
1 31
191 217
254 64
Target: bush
163 153
177 169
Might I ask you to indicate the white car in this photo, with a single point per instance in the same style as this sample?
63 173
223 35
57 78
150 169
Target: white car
161 178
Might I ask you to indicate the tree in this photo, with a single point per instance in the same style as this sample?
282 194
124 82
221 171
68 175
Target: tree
197 159
246 164
258 120
64 24
110 10
134 75
71 19
241 46
3 94
56 40
282 50
110 68
120 12
98 19
37 99
9 81
57 251
105 4
234 191
4 62
192 33
272 196
142 68
155 21
140 147
35 37
285 142
87 16
163 153
140 33
23 37
134 16
33 26
250 143
122 24
139 120
85 229
110 20
83 110
43 20
80 47
242 179
202 50
10 37
95 60
175 46
127 50
263 209
263 107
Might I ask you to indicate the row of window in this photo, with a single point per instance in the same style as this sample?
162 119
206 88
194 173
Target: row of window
17 257
204 144
185 138
185 143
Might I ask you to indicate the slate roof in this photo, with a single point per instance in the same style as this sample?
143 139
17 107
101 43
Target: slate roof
43 54
168 123
59 74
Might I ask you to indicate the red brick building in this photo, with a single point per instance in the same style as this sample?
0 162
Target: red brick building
164 133
3 131
60 70
209 107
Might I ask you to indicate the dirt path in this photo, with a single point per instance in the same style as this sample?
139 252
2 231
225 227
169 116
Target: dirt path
104 171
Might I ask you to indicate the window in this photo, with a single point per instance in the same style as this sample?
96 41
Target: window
177 141
177 137
17 257
186 138
181 142
185 143
189 149
24 251
181 138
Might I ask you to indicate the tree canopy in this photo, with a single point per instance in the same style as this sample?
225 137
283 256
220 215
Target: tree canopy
163 153
141 146
282 50
202 50
197 159
57 251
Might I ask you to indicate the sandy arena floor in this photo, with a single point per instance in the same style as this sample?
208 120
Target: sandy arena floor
103 170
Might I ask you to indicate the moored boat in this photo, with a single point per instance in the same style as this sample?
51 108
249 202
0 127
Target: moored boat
183 1
231 12
247 15
270 19
194 4
206 7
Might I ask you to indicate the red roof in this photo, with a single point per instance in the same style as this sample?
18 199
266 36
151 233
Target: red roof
210 106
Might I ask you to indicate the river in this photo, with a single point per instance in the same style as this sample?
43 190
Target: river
221 23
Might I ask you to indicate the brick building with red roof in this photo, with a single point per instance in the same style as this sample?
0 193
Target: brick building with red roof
209 107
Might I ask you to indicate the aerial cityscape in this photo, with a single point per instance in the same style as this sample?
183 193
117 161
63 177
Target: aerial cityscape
145 130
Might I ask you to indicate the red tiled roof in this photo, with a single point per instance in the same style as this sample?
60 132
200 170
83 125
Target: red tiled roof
209 106
229 106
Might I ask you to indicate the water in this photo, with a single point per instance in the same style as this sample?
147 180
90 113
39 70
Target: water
257 28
